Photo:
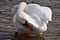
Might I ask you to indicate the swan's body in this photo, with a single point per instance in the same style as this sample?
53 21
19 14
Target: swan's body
36 15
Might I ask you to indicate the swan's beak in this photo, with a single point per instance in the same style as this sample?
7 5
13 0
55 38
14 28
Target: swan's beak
28 26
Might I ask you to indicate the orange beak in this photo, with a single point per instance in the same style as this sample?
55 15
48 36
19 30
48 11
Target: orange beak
29 27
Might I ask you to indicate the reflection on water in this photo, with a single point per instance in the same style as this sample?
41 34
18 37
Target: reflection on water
24 36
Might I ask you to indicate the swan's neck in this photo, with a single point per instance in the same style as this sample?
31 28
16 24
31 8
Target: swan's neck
20 12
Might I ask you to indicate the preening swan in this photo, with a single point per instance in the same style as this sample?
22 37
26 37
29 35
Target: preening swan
35 15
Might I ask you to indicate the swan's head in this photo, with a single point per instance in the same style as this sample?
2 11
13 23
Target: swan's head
22 6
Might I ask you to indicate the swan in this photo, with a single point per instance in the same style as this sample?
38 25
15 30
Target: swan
35 15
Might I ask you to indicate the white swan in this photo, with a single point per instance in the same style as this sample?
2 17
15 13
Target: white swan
35 15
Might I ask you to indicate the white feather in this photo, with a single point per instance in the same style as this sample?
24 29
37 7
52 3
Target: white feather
34 14
43 12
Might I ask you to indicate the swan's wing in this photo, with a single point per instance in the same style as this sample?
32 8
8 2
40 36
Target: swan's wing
30 20
48 12
43 28
43 12
22 17
14 10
